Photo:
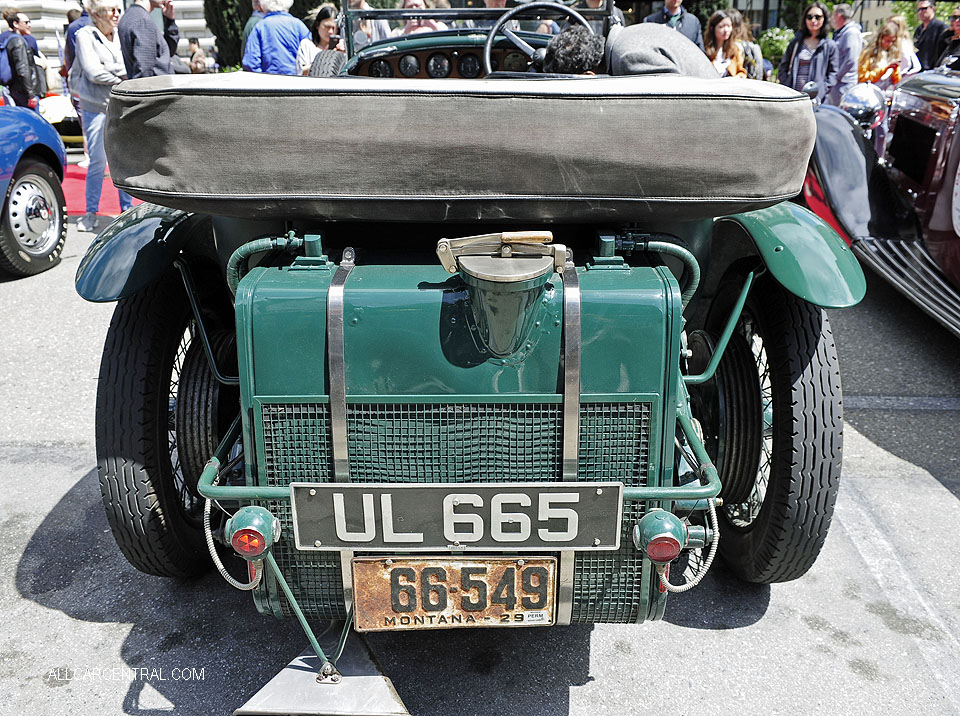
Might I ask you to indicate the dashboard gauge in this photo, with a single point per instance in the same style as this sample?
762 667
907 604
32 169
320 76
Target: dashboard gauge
469 66
409 66
380 68
438 65
515 62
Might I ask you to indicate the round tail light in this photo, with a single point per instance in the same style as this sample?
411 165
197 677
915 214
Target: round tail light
663 549
248 542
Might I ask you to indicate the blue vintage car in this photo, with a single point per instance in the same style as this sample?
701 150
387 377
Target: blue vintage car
33 228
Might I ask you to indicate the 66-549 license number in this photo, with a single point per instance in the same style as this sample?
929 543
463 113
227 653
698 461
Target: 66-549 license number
443 593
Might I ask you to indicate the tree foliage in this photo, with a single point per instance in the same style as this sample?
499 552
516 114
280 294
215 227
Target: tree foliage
225 19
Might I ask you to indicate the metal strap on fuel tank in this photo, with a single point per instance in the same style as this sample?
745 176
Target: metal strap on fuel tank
338 398
337 367
571 419
571 369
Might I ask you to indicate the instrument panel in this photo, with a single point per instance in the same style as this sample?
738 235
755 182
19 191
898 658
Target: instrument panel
439 63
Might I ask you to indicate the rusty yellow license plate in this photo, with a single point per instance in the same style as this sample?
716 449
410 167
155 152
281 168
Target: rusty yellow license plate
443 593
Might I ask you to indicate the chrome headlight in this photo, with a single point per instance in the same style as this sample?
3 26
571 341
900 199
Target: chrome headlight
866 103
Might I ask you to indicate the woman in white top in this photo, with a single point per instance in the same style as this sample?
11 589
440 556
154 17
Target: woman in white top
322 28
98 67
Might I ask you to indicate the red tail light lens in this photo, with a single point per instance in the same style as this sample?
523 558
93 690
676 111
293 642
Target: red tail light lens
248 542
663 549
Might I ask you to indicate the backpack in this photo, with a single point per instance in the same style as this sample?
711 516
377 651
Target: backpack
6 73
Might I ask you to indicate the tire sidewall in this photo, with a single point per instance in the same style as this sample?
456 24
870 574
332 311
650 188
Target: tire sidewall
755 551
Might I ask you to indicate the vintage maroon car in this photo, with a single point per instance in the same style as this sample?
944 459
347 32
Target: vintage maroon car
901 213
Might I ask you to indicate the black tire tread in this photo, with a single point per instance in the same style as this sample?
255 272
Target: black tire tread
144 523
787 536
327 63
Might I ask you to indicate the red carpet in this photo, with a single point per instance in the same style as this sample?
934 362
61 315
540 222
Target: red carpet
75 191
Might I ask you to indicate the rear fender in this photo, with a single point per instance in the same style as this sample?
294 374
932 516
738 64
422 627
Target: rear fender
135 250
800 251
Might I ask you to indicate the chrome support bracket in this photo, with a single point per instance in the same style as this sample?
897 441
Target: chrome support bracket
571 419
346 575
337 367
571 370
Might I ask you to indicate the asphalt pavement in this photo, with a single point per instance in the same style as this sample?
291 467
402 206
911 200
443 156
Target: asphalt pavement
873 628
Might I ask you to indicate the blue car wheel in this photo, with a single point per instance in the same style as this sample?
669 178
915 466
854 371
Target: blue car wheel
33 229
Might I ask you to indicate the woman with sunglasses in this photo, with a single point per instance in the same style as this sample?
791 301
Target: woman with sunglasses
952 48
811 55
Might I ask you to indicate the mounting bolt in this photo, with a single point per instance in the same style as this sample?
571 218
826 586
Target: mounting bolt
520 562
318 543
599 491
596 541
312 492
388 562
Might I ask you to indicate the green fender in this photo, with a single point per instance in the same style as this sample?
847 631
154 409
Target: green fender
804 254
133 251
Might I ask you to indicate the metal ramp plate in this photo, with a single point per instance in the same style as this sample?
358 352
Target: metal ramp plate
364 690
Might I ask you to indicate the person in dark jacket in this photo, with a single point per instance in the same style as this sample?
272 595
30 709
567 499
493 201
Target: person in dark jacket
928 37
811 55
950 42
23 87
146 51
673 15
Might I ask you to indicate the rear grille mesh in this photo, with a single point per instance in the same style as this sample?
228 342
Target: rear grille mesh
460 442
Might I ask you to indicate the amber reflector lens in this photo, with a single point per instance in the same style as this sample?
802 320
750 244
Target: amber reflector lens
662 549
248 542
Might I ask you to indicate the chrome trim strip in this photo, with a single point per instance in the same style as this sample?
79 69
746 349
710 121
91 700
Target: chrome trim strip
571 369
346 573
909 268
571 420
338 369
565 588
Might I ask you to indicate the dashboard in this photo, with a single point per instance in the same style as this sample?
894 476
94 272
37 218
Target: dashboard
454 53
439 63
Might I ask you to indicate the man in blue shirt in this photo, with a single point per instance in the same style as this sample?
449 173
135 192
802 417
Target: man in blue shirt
70 50
273 43
673 15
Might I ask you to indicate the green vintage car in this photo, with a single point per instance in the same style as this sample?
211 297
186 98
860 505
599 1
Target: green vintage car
458 348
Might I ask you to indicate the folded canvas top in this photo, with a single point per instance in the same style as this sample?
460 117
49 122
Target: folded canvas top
551 150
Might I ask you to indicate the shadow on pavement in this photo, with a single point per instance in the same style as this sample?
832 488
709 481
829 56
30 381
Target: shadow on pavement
72 564
720 601
889 348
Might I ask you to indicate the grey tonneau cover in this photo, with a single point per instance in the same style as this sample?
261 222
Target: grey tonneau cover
604 149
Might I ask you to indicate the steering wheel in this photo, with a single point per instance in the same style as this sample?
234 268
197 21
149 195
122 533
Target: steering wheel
500 26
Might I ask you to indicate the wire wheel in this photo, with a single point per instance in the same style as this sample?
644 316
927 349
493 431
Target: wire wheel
741 510
772 417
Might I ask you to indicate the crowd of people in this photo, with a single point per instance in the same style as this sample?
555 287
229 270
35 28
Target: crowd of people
105 45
